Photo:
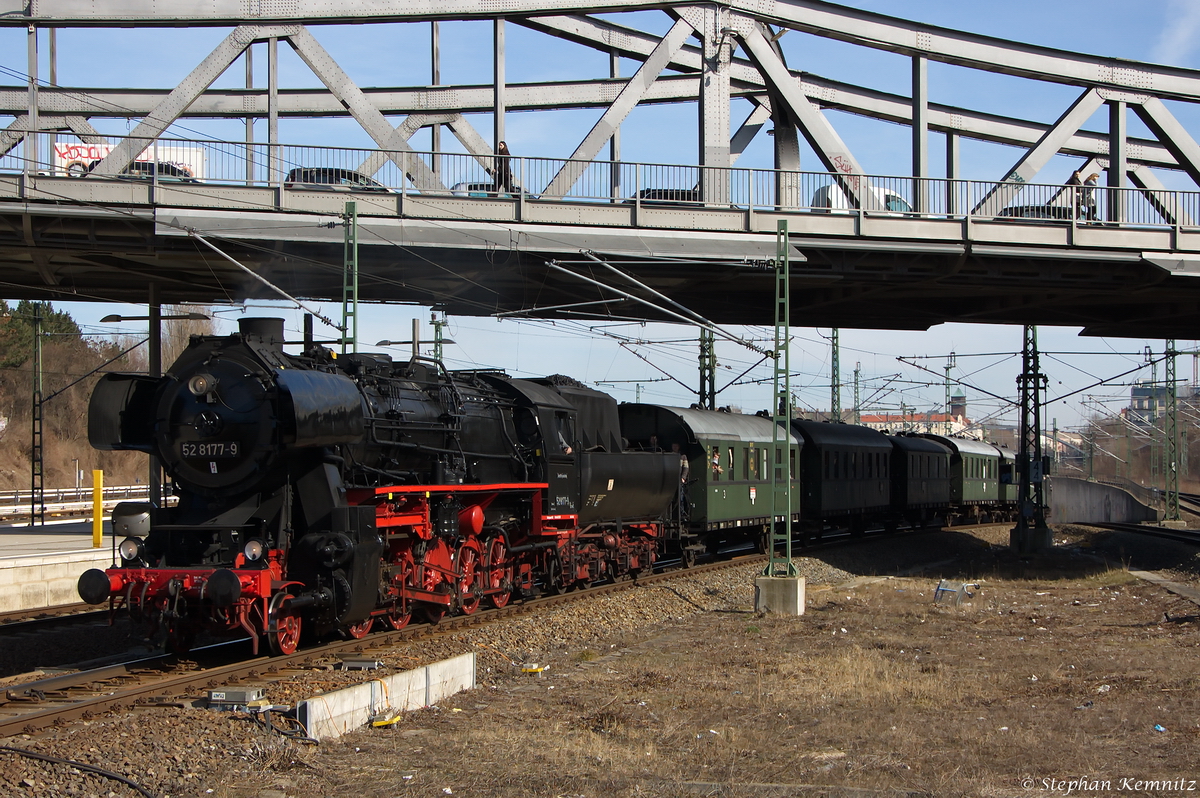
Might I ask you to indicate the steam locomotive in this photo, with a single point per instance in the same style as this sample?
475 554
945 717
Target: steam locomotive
331 492
322 494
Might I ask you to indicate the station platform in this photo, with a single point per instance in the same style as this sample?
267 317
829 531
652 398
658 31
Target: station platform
40 566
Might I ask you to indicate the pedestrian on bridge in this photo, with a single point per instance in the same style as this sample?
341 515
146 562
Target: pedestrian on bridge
1076 186
501 171
1089 196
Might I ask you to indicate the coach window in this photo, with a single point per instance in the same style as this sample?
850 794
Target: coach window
791 463
729 463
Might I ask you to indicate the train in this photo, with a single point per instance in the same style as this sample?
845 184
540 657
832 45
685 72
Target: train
322 494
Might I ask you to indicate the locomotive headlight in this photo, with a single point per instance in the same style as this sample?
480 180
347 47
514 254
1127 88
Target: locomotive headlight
201 384
131 549
255 550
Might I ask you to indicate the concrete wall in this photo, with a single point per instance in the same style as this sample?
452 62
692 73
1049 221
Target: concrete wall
1079 501
333 714
37 581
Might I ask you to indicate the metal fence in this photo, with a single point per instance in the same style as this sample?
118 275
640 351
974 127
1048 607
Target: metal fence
180 162
22 498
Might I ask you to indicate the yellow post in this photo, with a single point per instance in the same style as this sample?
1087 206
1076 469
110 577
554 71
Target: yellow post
97 508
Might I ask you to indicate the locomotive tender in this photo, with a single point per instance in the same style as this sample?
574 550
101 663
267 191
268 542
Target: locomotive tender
323 494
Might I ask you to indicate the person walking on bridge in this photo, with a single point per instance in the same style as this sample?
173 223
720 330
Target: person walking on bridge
501 171
1089 196
1075 185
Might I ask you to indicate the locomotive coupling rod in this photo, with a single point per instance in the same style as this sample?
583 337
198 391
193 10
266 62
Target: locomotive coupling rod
192 232
545 544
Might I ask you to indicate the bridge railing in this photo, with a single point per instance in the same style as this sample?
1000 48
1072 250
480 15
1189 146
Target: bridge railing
296 167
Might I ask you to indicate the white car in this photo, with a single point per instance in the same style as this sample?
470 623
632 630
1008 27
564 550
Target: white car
832 199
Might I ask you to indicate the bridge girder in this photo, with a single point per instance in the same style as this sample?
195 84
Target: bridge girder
709 74
862 28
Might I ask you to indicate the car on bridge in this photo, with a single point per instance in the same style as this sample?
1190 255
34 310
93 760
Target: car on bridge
166 171
486 190
667 197
832 199
1053 212
328 178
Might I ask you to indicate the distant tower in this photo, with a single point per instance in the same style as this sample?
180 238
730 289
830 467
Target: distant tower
958 406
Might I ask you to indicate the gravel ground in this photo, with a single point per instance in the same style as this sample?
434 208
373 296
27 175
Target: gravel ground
195 752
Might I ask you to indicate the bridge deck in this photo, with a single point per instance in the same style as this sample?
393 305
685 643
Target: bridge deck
475 252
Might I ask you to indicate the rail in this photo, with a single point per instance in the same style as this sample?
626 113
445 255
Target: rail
188 165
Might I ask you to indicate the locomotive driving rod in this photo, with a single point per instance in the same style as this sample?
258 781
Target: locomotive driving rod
545 544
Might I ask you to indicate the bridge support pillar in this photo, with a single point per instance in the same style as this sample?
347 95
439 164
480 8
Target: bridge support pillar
1031 534
1117 159
920 133
714 108
498 80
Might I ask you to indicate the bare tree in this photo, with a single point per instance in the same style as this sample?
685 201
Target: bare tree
177 333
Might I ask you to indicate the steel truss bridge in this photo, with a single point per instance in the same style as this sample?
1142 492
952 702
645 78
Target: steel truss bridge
891 252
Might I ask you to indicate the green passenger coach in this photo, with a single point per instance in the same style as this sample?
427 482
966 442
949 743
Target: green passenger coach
728 477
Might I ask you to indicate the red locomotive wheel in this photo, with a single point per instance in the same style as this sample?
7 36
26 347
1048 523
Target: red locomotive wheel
359 630
396 619
499 576
433 613
468 574
400 613
283 627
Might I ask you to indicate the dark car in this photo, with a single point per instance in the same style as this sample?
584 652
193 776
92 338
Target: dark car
327 178
486 190
667 197
1056 212
141 170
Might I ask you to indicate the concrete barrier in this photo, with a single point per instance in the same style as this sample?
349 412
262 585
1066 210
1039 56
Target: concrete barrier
46 580
1077 501
333 714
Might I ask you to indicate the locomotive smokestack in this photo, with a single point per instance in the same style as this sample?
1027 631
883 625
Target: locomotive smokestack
269 331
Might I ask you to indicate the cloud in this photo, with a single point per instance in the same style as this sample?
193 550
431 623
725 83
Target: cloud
1181 35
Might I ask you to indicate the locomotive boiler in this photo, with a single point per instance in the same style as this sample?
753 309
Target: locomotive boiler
322 493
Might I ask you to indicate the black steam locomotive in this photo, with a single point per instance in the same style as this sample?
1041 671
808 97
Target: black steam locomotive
330 492
326 493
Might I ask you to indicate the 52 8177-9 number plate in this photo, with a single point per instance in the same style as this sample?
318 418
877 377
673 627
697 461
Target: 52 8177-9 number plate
209 449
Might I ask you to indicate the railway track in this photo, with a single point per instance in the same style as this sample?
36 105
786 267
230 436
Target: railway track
1190 502
168 680
18 621
1191 536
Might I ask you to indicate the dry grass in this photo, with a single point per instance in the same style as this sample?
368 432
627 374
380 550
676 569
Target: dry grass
875 690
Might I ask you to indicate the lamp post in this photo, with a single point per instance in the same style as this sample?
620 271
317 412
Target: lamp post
181 317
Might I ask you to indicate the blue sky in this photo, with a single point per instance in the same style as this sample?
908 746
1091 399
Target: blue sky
1162 31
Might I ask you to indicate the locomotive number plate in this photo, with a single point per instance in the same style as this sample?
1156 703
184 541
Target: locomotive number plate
209 449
